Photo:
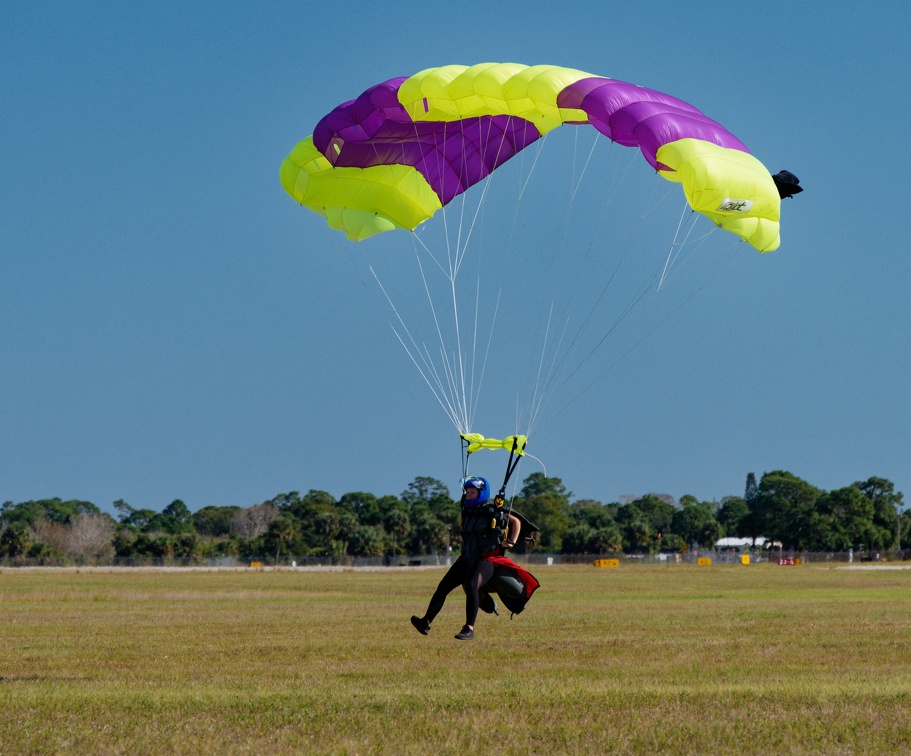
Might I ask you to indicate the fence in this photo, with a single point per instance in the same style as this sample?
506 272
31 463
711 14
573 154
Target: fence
726 556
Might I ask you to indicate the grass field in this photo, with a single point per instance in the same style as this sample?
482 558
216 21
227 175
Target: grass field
682 659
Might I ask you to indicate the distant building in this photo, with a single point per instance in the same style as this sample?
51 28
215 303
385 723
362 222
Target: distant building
744 543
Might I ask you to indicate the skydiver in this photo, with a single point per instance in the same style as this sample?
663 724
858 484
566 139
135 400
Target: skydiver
487 531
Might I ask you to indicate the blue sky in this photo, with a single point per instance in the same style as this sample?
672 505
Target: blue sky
173 325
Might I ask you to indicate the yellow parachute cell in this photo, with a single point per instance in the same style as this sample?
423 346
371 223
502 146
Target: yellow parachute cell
476 442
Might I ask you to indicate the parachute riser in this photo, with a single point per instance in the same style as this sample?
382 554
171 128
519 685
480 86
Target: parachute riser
511 464
515 456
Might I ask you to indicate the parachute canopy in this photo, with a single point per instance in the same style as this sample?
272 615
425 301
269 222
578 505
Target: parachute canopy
404 148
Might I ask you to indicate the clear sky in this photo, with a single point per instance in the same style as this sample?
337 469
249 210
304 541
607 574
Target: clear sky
173 325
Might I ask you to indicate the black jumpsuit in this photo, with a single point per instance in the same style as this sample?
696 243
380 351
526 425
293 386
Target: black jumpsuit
483 529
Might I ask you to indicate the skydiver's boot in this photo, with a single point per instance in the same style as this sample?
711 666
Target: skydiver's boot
487 604
466 633
420 624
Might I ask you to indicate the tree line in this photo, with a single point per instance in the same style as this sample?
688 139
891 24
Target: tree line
424 519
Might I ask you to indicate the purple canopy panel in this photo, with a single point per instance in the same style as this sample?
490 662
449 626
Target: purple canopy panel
375 130
637 116
610 95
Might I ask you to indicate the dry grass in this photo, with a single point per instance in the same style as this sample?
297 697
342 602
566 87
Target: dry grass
682 659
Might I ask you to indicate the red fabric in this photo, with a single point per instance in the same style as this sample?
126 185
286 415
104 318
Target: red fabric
524 576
